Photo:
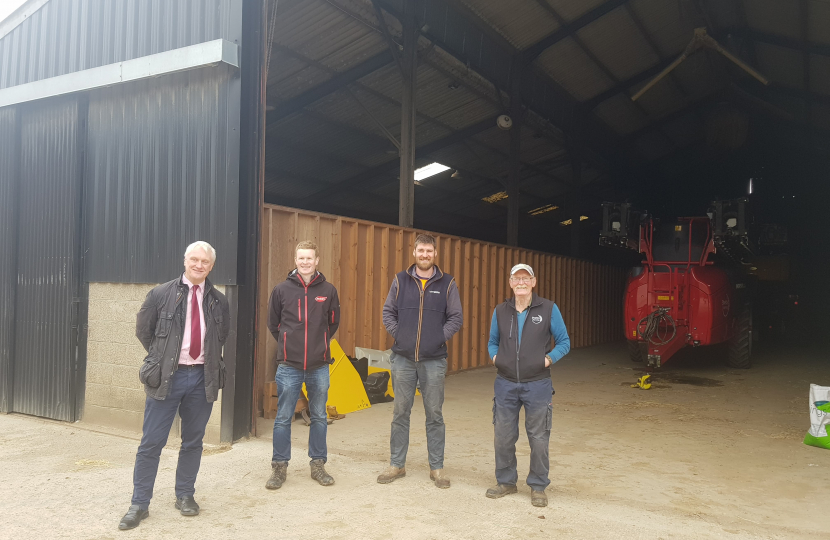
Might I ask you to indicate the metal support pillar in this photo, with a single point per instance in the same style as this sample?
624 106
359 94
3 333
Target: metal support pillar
574 206
515 154
406 198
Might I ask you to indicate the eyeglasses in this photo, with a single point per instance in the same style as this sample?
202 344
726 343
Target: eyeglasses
521 279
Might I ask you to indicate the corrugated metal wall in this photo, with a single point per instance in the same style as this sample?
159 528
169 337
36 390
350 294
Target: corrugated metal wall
162 171
361 259
47 265
65 36
9 153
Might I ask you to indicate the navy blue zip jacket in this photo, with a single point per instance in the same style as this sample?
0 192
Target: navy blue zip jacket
422 318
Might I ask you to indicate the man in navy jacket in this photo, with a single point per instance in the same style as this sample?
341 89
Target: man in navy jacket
422 312
527 336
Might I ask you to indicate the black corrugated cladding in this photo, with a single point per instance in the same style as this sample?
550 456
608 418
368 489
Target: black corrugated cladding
65 36
162 171
9 155
48 253
163 163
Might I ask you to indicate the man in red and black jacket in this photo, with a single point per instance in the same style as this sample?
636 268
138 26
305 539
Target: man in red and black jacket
303 315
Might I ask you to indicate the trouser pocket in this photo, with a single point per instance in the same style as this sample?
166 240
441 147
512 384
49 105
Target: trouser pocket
494 411
549 417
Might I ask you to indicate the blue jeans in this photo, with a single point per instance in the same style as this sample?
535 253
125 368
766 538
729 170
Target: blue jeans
406 374
289 385
187 395
509 398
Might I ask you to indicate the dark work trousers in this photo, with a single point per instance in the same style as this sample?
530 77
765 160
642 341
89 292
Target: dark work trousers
187 395
509 398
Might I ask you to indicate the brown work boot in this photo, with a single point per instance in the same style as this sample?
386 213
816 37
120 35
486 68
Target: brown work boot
318 472
391 474
538 498
278 472
500 490
440 478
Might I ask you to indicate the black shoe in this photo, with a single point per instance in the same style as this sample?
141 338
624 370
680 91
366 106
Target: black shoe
133 517
187 505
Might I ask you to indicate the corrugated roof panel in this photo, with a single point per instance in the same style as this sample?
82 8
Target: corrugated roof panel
469 113
780 65
697 77
296 84
569 66
617 42
820 74
522 23
666 25
571 9
819 21
620 113
662 98
342 107
774 16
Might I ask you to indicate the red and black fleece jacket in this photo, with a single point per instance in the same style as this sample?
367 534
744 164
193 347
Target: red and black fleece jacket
303 318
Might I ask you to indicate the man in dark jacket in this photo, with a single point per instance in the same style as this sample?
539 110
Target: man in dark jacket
527 336
303 315
182 324
422 312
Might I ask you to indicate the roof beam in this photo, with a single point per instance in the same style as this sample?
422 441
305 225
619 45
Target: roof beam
567 30
819 49
338 81
368 177
644 75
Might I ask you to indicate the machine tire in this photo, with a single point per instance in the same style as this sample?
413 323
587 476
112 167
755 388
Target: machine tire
740 346
635 351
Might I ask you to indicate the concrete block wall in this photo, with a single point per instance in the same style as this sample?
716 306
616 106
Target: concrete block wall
114 395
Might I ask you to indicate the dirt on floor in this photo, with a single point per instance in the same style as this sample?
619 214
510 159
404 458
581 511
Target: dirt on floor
708 452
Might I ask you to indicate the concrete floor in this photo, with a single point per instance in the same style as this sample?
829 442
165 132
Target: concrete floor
708 452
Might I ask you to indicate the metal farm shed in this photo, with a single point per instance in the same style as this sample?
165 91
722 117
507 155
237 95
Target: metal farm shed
119 117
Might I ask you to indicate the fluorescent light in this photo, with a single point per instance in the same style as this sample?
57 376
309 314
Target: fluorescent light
495 197
583 218
543 209
430 170
566 222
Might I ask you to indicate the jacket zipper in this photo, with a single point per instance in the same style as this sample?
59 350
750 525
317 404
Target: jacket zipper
305 353
284 339
299 315
420 317
326 342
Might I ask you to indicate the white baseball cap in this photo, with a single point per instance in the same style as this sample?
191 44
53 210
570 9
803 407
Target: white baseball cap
522 267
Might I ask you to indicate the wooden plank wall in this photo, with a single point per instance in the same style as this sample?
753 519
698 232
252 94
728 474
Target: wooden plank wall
361 258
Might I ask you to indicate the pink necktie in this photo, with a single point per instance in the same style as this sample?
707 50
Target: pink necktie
195 327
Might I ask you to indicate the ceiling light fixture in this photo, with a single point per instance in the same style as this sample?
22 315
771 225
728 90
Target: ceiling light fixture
430 170
566 222
543 209
495 197
583 218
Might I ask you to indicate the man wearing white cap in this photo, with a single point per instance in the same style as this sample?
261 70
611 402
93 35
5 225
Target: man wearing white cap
527 336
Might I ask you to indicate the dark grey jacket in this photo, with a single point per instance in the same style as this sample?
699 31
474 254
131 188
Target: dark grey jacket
421 319
160 326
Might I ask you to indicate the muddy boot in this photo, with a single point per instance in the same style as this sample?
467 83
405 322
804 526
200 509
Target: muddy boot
391 474
500 490
440 478
277 474
318 472
538 498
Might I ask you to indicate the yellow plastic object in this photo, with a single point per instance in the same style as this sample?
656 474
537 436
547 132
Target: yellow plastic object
642 382
346 391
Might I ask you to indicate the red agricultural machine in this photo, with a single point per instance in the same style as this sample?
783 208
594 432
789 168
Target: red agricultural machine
678 297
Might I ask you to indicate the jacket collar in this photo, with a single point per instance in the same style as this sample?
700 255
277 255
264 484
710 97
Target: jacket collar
535 301
294 276
437 274
208 285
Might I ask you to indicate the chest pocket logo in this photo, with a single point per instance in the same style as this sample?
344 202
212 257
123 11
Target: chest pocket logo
536 319
434 292
321 298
